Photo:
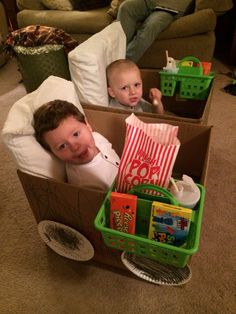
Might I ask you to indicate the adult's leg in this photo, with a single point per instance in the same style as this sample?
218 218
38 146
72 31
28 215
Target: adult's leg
154 24
130 13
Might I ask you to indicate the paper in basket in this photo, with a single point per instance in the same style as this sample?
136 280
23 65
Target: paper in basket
149 154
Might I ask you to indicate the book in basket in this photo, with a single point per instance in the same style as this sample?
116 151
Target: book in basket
169 224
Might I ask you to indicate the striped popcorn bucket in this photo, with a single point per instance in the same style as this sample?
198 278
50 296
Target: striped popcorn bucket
149 154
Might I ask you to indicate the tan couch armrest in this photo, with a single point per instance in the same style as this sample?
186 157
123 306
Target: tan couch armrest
202 21
219 6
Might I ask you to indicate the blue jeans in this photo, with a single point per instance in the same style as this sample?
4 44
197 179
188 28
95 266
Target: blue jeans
133 12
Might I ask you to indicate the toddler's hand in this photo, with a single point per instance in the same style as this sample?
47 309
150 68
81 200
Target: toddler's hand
155 95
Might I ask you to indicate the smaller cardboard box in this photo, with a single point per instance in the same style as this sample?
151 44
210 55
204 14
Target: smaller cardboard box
177 109
78 207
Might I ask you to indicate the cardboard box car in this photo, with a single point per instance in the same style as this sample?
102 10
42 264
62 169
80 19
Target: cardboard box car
77 207
176 108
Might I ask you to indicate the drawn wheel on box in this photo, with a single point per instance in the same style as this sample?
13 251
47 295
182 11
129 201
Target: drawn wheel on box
139 243
65 240
189 80
38 63
155 272
61 202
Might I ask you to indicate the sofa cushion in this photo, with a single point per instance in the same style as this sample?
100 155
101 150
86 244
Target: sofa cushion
88 62
72 22
84 5
18 131
30 5
63 5
219 6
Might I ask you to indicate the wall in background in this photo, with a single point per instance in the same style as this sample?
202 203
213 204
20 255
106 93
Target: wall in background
11 11
226 37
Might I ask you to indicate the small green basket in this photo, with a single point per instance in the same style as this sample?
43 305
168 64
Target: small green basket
139 243
191 81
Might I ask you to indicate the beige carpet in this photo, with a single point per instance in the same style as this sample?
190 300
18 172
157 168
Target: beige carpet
34 279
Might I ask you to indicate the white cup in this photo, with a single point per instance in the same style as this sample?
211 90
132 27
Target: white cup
188 193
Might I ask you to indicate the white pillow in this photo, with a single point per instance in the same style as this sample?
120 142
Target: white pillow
88 62
18 131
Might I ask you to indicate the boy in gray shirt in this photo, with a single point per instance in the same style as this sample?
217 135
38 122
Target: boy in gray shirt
125 88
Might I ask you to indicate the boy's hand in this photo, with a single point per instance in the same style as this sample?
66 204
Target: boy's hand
155 96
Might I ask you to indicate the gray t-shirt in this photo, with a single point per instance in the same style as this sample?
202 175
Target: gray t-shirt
142 106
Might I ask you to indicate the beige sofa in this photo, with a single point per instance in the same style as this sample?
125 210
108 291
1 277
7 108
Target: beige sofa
190 35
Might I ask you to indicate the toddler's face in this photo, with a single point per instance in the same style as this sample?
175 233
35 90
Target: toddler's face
72 141
126 87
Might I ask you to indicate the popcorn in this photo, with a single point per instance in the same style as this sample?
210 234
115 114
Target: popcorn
149 154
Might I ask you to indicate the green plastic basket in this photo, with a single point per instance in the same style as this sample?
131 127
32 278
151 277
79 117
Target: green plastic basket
139 243
191 81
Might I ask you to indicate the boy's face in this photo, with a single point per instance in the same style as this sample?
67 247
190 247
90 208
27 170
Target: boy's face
126 87
72 141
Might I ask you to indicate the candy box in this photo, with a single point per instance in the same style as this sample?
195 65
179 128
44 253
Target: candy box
123 212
